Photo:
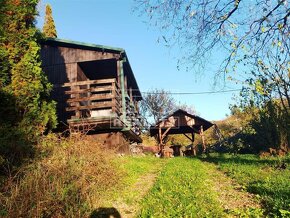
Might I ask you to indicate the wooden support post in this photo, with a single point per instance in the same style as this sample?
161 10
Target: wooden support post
193 146
114 104
77 104
123 91
202 138
167 130
131 94
126 84
160 138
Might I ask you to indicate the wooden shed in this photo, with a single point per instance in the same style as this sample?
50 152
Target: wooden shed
180 122
94 87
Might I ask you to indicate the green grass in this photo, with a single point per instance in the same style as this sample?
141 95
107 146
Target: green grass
262 177
133 169
182 190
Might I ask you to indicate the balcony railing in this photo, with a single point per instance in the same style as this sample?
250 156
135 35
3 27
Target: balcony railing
93 98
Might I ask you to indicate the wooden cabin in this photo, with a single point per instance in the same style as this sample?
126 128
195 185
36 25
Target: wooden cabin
94 87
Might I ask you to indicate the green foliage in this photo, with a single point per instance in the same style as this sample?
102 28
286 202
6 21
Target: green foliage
182 190
263 177
25 107
267 126
49 29
31 89
148 140
249 212
251 129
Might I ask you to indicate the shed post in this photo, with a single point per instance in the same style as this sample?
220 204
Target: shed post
160 138
193 146
202 138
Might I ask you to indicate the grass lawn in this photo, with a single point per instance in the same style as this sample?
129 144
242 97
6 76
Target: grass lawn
182 190
135 168
263 177
139 174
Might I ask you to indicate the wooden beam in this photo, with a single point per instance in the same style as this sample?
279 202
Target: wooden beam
192 137
90 82
92 97
107 88
166 131
87 107
187 136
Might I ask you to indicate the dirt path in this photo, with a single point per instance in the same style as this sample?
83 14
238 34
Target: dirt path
129 206
231 194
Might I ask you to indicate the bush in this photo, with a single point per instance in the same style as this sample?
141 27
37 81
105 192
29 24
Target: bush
69 178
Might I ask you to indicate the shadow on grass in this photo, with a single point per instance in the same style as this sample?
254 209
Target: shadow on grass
105 212
244 159
271 186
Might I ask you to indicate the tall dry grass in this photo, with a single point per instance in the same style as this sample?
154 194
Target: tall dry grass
69 178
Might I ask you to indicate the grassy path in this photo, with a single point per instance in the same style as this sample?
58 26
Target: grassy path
188 187
182 190
141 175
215 186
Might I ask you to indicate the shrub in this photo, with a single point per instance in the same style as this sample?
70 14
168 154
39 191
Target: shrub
69 178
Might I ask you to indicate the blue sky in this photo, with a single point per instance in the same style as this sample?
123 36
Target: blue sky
113 23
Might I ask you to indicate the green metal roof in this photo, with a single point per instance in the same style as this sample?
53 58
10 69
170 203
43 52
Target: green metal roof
76 44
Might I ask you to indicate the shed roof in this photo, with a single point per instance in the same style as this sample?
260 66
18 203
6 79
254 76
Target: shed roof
181 122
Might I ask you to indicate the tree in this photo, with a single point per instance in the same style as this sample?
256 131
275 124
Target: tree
156 104
26 110
188 108
199 27
253 36
49 29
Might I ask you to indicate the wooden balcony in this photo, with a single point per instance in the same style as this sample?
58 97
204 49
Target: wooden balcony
93 100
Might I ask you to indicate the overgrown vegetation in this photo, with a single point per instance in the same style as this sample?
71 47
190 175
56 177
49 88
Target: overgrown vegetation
70 178
267 178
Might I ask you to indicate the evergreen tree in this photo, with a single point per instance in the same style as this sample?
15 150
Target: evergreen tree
49 29
25 106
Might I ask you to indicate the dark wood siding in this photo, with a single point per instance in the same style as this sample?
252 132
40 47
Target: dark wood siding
58 55
61 66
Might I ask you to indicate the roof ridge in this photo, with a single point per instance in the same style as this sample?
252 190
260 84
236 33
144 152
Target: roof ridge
78 43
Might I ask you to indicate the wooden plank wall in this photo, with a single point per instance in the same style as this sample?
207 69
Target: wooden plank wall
59 55
60 66
80 74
